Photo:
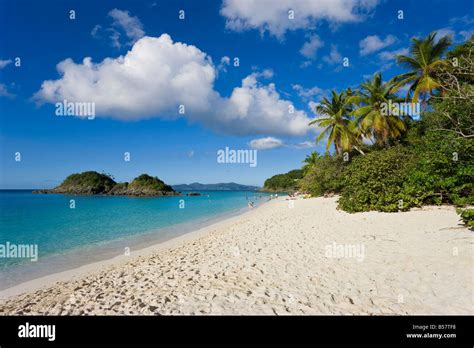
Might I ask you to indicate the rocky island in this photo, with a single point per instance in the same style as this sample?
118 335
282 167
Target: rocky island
93 183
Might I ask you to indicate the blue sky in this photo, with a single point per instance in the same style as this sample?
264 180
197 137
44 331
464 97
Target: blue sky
145 61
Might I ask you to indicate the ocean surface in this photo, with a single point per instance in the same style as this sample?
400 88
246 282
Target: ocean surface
99 227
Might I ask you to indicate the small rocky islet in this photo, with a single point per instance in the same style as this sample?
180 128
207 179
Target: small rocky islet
94 183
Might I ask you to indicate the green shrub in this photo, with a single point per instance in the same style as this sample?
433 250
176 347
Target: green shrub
444 172
376 181
324 176
89 182
146 181
435 169
467 216
283 182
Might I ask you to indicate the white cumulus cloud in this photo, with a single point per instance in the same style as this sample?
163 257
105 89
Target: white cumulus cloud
158 75
257 108
4 63
273 16
389 55
269 143
373 43
154 77
131 25
304 145
311 46
306 93
122 23
4 91
333 57
265 143
225 61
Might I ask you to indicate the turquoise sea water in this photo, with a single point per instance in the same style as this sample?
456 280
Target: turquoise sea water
99 227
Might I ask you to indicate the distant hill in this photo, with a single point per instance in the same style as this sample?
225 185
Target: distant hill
283 182
231 186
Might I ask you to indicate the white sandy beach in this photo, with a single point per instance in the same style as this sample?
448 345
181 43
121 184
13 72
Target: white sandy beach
275 260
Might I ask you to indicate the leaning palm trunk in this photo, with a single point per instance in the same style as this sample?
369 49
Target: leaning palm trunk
359 150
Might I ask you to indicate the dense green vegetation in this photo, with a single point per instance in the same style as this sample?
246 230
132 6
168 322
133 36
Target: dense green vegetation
91 183
86 183
375 181
143 185
283 182
467 216
149 182
392 161
324 176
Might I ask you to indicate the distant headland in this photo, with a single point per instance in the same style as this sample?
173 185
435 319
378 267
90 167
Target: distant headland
230 186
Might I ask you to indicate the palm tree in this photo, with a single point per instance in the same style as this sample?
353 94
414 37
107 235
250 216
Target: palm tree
372 114
337 123
426 56
310 160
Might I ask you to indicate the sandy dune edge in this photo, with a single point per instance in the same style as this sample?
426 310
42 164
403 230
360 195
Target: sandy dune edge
283 259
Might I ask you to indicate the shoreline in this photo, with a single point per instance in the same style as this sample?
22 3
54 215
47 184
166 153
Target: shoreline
142 249
274 260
